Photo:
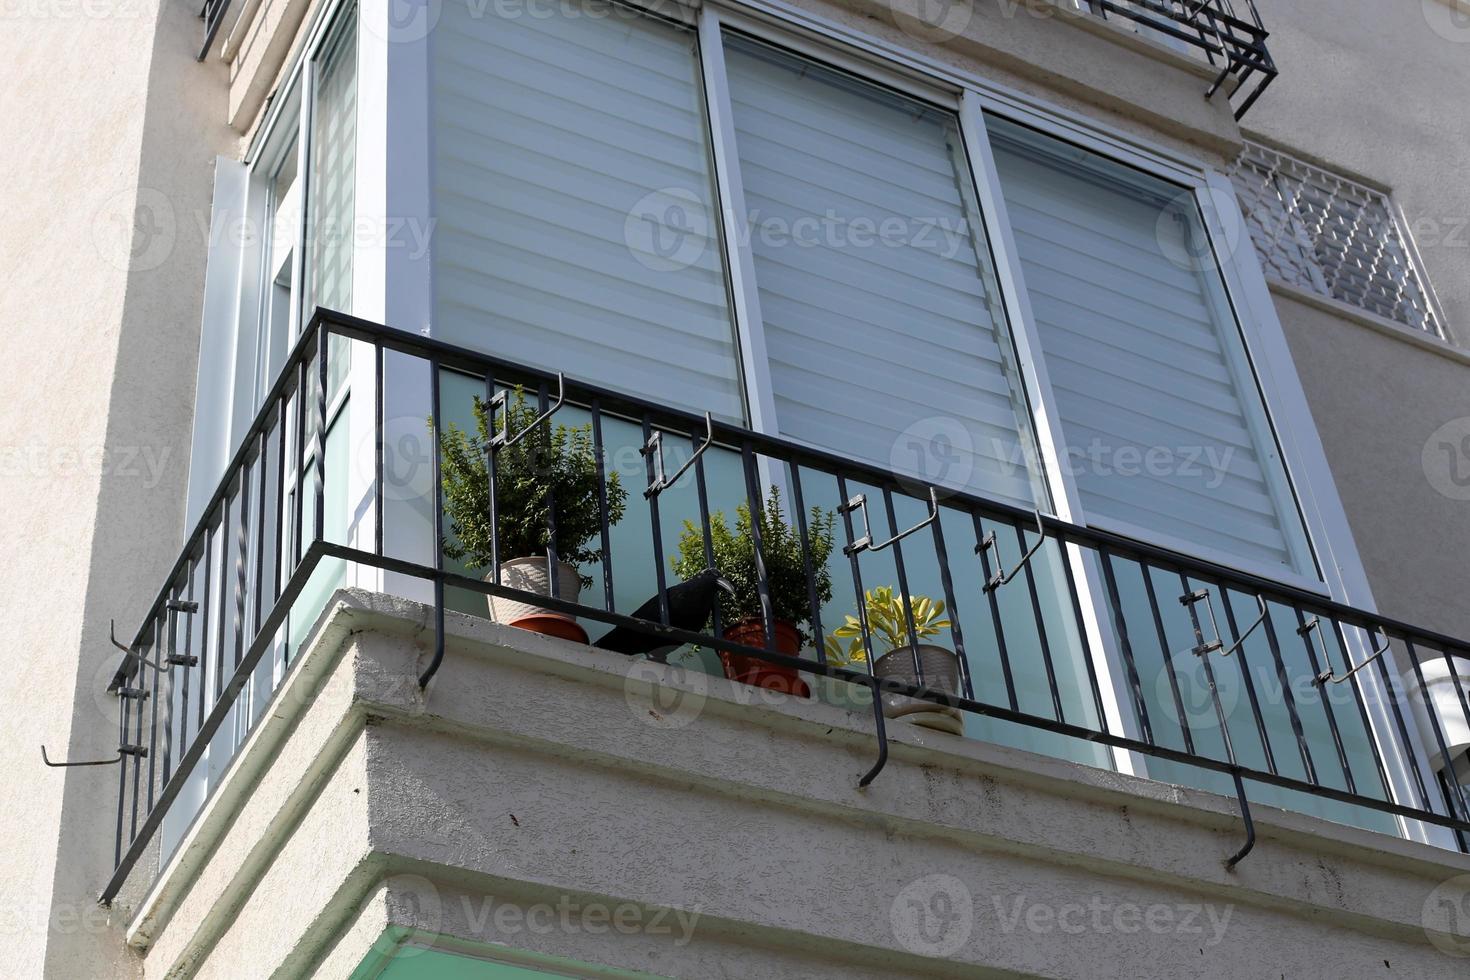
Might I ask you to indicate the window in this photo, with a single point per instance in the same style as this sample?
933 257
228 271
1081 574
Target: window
282 218
1324 233
575 219
1166 433
880 309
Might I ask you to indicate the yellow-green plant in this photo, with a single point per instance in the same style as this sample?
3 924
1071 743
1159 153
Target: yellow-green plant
887 622
848 656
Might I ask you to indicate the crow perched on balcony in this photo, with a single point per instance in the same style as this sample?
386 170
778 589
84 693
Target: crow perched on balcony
690 605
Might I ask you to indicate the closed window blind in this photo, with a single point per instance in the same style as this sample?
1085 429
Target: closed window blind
1165 428
881 313
575 227
334 157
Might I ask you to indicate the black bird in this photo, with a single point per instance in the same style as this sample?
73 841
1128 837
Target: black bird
690 605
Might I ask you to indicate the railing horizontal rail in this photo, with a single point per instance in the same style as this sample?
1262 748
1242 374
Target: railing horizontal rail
263 536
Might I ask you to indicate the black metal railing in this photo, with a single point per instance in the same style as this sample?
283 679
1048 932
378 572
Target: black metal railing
213 14
1222 678
1226 33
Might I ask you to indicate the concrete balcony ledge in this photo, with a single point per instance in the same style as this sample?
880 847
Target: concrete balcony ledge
540 775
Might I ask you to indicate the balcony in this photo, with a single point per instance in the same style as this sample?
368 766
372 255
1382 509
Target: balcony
1227 34
1220 678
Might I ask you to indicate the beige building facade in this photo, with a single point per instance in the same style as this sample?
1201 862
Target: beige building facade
391 785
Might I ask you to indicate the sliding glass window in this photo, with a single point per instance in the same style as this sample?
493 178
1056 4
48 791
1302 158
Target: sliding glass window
878 299
576 227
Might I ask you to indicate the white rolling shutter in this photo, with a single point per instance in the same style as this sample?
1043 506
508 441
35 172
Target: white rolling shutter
1164 424
575 227
883 325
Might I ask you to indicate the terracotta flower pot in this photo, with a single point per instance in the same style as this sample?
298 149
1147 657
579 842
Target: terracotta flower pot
941 673
529 575
758 673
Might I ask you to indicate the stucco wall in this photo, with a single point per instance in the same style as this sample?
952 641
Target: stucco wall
729 837
109 135
1379 93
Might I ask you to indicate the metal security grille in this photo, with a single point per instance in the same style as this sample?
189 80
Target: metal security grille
1328 234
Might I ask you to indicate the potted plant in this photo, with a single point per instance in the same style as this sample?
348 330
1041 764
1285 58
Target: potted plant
548 465
741 618
888 625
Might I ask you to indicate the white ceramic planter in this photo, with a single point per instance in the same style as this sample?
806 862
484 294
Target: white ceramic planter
1439 694
529 575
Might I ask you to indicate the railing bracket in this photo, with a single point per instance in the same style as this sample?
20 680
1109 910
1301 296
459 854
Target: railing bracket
1250 827
1004 578
865 543
1205 647
503 439
655 447
122 753
1327 676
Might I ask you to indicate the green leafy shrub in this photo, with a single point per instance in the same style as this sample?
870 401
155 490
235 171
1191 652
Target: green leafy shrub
550 464
734 556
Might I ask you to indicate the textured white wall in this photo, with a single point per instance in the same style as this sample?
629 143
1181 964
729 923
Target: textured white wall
108 131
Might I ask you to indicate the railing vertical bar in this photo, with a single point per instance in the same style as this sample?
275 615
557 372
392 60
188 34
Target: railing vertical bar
901 573
1246 678
242 563
160 659
1080 625
656 530
1404 739
857 583
380 412
322 336
946 583
175 687
205 605
122 779
1046 658
1289 699
224 561
1362 709
1436 726
1449 662
436 424
1125 645
762 581
1347 772
491 475
279 532
260 535
298 496
552 568
137 761
1000 631
1204 659
1167 657
701 487
599 449
798 506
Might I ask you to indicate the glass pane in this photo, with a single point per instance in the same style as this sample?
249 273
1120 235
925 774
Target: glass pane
1165 430
881 313
576 229
333 172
